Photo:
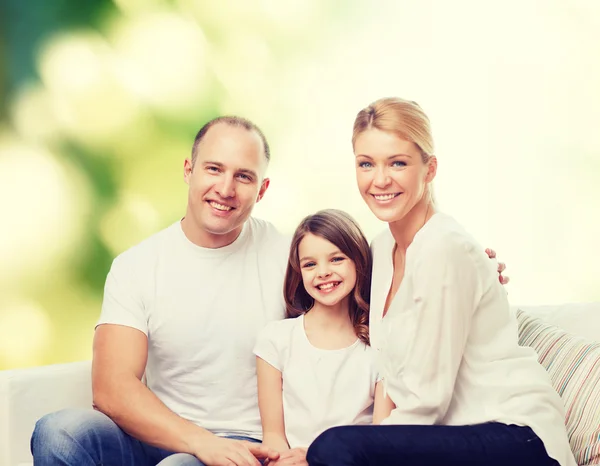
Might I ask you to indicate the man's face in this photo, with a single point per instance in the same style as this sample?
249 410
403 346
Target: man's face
224 183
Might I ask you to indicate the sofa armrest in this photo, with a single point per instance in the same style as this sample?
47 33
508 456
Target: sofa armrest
28 394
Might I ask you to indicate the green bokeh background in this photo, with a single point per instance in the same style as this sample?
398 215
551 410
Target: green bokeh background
100 101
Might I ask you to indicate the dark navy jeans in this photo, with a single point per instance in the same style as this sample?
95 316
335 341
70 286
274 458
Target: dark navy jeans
84 437
491 444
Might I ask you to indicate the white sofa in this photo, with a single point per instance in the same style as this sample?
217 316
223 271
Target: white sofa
28 394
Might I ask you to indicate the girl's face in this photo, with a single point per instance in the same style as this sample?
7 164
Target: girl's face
390 173
328 275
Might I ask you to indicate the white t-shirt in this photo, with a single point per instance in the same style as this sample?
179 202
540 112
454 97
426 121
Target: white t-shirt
202 310
448 349
321 388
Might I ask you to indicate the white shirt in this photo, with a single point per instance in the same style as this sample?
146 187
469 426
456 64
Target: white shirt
321 388
202 310
448 347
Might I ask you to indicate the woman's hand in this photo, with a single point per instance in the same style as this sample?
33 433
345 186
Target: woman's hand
501 266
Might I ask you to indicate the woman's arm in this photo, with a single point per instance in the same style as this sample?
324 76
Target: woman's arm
270 404
383 404
447 288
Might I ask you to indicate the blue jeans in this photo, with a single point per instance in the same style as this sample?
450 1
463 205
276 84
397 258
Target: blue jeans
491 444
84 437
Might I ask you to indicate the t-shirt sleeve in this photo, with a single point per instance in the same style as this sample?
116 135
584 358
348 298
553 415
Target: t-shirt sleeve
268 345
123 303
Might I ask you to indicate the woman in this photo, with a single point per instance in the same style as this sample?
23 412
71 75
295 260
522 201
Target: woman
457 387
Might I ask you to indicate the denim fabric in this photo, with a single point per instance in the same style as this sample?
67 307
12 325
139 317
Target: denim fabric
491 444
84 437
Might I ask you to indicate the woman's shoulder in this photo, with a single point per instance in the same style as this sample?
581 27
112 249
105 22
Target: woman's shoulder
444 237
445 232
382 241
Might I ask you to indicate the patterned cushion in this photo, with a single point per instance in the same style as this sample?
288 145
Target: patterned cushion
574 367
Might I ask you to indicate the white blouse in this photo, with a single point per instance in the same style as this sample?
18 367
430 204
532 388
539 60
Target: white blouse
447 348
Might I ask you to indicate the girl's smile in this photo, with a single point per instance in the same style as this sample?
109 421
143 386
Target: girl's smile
328 275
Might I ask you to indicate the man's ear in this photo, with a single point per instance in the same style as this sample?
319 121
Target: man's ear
431 169
188 167
263 189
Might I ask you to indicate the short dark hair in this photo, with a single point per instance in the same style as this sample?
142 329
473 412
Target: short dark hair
235 121
341 229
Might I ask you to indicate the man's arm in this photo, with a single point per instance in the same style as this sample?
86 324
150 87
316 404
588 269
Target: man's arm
120 355
501 266
119 361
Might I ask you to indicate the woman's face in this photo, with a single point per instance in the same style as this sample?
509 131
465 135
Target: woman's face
390 173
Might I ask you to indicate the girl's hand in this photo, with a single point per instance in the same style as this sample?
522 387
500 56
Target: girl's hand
292 457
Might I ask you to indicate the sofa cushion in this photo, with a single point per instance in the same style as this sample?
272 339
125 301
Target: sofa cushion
574 367
581 319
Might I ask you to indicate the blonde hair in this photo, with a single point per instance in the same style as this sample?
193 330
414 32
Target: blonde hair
402 117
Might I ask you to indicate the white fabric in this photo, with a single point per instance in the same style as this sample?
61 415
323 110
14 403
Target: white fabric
202 310
321 388
448 348
28 394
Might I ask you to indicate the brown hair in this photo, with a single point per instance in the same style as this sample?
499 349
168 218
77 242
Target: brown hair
402 117
338 228
231 121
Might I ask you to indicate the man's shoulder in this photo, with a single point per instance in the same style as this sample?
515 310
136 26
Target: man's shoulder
263 228
147 250
267 236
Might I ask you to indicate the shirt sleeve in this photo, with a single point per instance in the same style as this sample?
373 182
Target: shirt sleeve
268 346
123 303
447 288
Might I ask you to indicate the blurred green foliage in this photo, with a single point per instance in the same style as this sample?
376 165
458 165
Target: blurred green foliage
100 101
110 96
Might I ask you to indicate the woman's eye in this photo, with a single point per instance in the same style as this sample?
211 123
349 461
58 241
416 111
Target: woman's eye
398 163
365 164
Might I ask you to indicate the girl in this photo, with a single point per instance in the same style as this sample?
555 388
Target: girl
458 389
315 368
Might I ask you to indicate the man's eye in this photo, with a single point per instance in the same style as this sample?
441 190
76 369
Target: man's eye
244 177
212 169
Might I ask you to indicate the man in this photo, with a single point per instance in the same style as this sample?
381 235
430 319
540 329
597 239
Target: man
183 309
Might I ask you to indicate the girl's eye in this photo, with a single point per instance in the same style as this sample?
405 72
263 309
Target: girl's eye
365 164
308 264
338 259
